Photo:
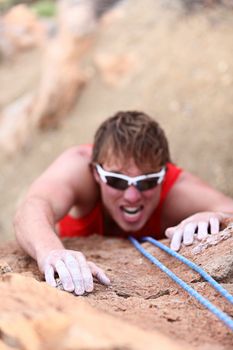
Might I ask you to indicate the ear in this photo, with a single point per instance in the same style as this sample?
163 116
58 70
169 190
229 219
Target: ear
95 174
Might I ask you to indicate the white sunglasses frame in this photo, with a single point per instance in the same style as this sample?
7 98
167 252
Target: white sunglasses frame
131 180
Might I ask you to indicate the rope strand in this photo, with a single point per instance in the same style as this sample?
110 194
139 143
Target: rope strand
205 302
193 266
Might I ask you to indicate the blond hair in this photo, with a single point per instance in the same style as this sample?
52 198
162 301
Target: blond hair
131 134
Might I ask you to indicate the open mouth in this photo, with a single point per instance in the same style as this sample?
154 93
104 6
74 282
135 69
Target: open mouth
131 210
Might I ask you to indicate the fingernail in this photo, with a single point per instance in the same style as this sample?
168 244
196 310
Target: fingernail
89 288
105 280
68 287
175 247
52 283
79 291
188 242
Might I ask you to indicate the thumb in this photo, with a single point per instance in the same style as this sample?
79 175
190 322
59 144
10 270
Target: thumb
99 274
170 232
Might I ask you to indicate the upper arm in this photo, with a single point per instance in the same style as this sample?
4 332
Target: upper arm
190 195
66 182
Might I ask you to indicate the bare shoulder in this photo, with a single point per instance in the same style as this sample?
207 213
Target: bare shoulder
189 184
186 181
81 152
190 195
74 159
69 173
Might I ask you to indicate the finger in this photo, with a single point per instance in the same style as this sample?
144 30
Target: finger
176 239
75 272
202 230
169 232
99 274
86 274
64 275
49 275
214 225
188 234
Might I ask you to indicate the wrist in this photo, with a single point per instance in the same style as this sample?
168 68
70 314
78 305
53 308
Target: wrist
44 251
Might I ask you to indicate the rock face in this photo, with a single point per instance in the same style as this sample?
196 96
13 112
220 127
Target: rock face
20 29
33 315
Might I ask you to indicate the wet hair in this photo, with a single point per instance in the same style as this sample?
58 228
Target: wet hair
131 134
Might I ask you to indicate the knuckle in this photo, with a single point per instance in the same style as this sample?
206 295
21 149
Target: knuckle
80 255
71 261
89 284
189 224
214 219
65 277
91 265
78 280
184 222
88 279
79 285
178 231
202 223
59 263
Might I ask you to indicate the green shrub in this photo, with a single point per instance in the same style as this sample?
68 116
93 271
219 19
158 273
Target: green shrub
44 8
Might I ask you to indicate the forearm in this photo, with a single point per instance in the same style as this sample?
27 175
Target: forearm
35 228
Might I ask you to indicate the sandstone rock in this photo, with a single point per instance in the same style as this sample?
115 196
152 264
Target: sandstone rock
62 80
115 70
221 268
212 239
140 294
4 268
76 19
16 125
35 316
20 30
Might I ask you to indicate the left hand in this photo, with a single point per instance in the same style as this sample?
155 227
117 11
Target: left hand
200 225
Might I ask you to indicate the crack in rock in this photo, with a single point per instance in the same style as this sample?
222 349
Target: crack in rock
122 294
10 340
4 268
221 268
213 239
158 295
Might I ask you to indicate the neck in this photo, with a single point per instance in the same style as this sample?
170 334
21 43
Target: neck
111 228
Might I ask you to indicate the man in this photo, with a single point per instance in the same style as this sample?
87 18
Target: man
124 185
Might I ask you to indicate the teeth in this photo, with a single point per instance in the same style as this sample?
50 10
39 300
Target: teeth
130 210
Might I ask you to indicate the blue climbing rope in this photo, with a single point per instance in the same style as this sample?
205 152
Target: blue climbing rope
218 313
193 266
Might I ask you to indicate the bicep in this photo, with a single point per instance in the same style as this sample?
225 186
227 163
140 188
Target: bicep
64 183
60 198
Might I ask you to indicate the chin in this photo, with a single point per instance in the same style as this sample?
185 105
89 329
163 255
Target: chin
131 227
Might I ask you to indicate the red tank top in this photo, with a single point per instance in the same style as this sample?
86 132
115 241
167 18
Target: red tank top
94 221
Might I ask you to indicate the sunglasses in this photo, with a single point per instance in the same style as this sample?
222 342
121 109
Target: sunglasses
122 182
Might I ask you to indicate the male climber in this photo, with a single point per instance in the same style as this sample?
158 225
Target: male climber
124 184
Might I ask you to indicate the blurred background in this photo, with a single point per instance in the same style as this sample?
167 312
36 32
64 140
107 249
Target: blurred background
67 65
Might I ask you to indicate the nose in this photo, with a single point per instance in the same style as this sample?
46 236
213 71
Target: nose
132 194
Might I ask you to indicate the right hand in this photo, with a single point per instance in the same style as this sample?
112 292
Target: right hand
75 272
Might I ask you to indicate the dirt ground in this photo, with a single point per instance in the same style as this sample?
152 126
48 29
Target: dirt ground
183 76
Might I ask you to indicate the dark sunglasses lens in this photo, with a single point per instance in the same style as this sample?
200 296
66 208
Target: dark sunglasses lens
119 184
147 184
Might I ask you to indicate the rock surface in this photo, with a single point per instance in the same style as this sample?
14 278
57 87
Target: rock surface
140 294
20 29
36 316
